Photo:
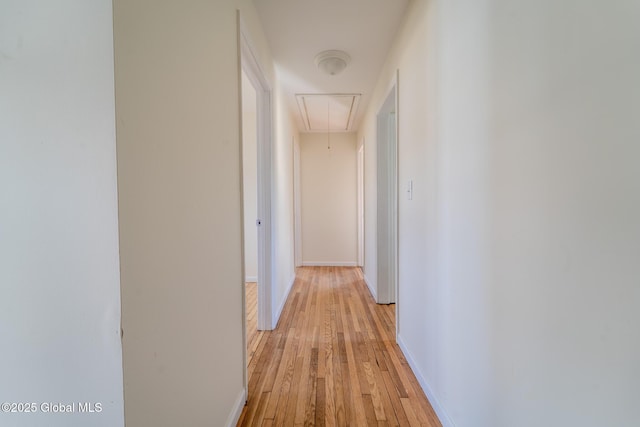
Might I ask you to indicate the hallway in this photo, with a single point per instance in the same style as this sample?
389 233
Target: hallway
332 360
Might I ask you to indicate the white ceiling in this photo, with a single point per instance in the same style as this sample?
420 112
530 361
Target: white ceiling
328 112
297 30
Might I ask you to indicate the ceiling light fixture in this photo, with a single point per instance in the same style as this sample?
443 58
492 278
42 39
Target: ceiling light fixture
332 62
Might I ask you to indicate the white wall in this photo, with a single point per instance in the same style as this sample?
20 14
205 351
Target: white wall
417 156
59 269
249 179
179 147
565 206
285 133
329 199
297 205
518 254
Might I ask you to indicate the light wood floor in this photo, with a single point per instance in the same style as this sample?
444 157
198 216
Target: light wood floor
332 360
254 336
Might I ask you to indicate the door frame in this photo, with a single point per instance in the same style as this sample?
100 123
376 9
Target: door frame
250 65
387 197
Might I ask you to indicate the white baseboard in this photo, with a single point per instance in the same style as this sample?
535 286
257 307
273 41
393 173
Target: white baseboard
445 420
238 405
251 279
371 289
329 264
274 321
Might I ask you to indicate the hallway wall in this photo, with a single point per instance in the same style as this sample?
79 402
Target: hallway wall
178 133
282 199
563 101
518 254
419 302
59 269
329 199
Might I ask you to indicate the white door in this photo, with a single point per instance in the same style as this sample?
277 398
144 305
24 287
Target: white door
387 200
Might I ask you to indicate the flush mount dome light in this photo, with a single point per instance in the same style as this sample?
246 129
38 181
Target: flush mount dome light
332 62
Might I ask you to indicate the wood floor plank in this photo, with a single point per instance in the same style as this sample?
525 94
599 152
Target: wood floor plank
358 416
332 360
369 410
302 390
320 403
412 419
396 401
376 397
280 389
254 336
310 410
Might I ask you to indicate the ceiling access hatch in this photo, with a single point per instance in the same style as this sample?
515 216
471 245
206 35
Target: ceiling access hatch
328 112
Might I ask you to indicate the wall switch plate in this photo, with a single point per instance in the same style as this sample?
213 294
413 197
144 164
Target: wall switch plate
410 190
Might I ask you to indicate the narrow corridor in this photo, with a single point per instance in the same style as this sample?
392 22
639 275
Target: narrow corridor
332 360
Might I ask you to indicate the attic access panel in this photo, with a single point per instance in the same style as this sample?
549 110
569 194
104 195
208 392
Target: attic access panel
328 112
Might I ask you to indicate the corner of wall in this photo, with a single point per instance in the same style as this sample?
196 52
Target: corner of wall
444 418
371 287
238 406
278 312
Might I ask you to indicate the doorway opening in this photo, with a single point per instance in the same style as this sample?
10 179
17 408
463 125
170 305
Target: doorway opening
250 212
387 199
256 176
256 80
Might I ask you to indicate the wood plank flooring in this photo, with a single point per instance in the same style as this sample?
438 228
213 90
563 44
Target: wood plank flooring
254 336
332 360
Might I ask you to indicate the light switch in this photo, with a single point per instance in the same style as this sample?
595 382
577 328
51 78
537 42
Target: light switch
410 190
